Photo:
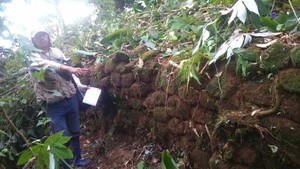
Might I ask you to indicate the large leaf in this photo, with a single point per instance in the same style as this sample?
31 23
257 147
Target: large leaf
242 12
234 12
54 138
239 9
269 22
25 156
61 151
222 50
251 6
203 38
237 41
167 161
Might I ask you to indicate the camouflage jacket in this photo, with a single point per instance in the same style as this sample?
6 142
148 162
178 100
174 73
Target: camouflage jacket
50 85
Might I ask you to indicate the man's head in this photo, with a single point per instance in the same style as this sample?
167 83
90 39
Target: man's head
41 40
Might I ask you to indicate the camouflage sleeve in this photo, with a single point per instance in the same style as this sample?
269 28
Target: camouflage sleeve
39 63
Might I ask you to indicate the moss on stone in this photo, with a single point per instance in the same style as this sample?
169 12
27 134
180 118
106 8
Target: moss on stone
120 68
120 57
109 66
137 51
295 56
159 114
274 57
148 55
253 50
289 80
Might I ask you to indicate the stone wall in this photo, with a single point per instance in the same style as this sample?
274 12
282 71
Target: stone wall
218 123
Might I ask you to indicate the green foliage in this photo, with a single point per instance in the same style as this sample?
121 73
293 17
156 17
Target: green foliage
167 161
39 74
243 62
17 101
190 68
140 165
54 144
112 37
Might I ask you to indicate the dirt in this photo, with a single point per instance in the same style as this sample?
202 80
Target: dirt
214 125
114 151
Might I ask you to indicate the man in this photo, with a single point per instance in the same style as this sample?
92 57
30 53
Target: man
54 86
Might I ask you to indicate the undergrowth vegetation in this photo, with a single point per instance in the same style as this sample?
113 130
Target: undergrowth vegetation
188 32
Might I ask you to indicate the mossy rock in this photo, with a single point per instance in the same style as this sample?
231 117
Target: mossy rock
121 67
178 58
295 56
120 57
285 129
148 55
137 51
157 98
275 57
289 80
149 71
109 66
253 50
222 86
160 114
76 60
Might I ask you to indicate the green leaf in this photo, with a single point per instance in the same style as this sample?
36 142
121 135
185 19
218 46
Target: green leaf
2 155
280 27
40 122
39 74
194 76
2 103
3 132
141 165
63 140
43 157
269 22
150 45
255 20
246 55
282 18
25 156
61 151
40 112
110 38
167 161
263 9
53 138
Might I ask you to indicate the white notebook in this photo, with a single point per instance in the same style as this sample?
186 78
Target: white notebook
91 96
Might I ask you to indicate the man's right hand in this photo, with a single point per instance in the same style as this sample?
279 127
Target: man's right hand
79 72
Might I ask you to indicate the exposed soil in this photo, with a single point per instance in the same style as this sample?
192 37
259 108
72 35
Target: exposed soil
227 122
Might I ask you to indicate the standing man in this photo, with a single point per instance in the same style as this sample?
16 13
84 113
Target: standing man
55 88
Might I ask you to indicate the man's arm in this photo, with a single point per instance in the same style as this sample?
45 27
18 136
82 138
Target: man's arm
79 72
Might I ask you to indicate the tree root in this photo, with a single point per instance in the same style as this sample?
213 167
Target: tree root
277 101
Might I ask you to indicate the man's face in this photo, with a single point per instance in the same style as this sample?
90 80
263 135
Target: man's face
41 40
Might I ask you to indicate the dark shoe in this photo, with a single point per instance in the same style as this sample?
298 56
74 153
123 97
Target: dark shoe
81 162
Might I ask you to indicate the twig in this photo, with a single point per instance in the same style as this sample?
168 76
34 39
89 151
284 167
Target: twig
204 67
294 11
29 162
14 126
209 136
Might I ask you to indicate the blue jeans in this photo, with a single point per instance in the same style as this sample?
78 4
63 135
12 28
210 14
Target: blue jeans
65 116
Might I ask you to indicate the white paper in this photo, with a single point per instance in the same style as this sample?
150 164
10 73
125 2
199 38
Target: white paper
91 96
51 159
